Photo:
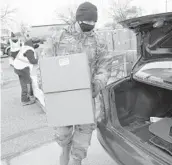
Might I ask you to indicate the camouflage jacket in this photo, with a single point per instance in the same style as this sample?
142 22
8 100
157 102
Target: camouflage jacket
71 42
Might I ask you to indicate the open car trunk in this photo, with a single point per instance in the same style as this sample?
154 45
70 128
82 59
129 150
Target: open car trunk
136 103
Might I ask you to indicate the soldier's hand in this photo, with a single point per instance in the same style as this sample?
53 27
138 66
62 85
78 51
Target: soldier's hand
95 89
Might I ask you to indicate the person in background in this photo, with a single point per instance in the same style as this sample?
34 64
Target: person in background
77 38
23 65
15 45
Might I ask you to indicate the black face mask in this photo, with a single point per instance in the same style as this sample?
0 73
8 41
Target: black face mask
86 27
15 40
35 46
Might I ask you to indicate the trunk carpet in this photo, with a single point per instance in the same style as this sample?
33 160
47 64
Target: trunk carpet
143 133
140 129
162 129
146 136
162 144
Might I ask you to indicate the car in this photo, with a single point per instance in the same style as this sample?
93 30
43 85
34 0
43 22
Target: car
135 121
5 50
5 47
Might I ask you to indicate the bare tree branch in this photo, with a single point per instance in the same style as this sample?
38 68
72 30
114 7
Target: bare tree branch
63 18
68 17
24 29
121 11
7 14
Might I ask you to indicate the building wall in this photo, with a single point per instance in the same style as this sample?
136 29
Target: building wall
44 31
122 45
119 39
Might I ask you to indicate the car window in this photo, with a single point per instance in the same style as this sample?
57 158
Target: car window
167 43
157 33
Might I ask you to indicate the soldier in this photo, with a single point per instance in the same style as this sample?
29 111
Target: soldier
77 38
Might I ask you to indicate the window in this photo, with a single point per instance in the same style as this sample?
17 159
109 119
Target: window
167 43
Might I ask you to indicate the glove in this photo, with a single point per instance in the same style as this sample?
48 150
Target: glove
95 88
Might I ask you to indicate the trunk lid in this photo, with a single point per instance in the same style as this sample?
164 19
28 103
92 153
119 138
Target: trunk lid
154 35
154 47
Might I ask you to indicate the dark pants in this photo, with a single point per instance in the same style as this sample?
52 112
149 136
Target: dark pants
26 83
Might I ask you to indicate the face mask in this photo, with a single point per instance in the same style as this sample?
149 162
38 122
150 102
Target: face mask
86 27
35 46
14 40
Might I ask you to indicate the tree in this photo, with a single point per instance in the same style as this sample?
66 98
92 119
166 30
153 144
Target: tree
69 16
122 11
7 14
24 30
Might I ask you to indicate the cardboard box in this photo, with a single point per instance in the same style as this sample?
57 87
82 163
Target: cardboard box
66 83
64 73
69 108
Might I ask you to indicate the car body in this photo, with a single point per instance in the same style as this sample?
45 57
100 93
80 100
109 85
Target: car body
5 49
124 125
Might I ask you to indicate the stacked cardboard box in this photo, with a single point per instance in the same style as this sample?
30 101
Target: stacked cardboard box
67 89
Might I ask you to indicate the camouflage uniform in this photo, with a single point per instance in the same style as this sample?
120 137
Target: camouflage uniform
71 42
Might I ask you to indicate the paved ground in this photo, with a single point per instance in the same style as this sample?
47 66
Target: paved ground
49 155
21 127
24 130
8 73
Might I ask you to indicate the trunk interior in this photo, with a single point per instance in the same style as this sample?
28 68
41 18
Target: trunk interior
136 103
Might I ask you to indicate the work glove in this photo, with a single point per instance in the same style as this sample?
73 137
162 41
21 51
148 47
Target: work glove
95 88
